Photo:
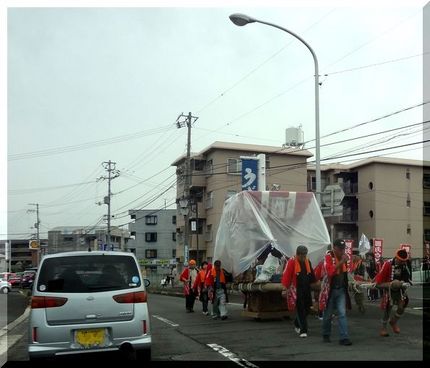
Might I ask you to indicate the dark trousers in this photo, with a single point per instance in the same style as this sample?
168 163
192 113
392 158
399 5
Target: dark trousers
302 311
205 300
189 300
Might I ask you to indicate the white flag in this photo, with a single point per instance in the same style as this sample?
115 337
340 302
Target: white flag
363 245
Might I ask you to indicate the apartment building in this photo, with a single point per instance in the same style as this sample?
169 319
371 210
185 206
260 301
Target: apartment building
154 238
21 256
385 198
216 175
74 238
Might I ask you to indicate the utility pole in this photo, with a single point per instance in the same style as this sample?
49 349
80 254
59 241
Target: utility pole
37 226
109 166
188 121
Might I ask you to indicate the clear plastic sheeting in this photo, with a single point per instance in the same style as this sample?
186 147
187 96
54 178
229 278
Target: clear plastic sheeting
252 221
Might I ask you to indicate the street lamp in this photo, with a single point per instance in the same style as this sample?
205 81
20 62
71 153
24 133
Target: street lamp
241 20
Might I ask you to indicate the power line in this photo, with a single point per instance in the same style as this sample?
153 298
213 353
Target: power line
87 145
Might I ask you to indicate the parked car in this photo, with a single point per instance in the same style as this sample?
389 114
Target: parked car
89 302
6 275
16 279
27 278
5 286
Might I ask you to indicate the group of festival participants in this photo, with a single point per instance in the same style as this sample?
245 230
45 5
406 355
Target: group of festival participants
299 278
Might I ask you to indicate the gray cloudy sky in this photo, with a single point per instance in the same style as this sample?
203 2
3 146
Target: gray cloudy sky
87 85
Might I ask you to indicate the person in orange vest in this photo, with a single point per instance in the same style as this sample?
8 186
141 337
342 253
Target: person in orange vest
218 291
334 292
395 274
297 279
188 277
201 285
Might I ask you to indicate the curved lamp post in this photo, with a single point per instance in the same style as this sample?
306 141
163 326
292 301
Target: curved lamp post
241 20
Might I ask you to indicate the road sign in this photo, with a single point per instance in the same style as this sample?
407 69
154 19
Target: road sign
249 173
332 195
335 211
33 244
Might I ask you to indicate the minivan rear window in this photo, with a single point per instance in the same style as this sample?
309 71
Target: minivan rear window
95 273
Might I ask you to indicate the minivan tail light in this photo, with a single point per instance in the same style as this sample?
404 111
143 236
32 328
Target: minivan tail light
138 297
47 302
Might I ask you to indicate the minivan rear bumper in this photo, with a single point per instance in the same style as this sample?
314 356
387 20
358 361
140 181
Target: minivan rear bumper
48 350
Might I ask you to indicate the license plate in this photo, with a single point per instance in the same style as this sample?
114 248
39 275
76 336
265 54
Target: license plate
90 338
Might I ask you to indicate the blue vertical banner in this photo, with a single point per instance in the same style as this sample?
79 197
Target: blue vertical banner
249 173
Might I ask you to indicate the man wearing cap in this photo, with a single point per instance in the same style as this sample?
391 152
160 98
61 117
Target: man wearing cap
394 276
297 279
334 292
188 277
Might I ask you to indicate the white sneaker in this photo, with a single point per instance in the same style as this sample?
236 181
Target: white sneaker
304 334
297 329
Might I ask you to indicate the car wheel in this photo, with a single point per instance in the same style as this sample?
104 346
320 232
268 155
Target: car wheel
4 290
143 355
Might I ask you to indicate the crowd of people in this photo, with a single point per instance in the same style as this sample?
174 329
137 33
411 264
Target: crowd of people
330 283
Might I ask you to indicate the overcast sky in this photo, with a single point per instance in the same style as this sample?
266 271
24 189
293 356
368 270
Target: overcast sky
88 85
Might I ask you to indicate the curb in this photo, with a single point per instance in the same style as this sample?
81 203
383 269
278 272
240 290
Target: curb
15 323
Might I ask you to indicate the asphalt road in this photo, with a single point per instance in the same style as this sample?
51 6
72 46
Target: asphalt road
194 337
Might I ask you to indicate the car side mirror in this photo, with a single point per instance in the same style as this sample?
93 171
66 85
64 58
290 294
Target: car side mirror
146 282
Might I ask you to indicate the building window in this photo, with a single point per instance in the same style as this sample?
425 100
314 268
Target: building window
234 166
151 220
408 173
150 237
208 235
150 253
426 181
370 185
174 236
408 229
133 216
173 253
209 167
426 234
426 209
408 201
230 193
209 199
174 220
199 165
371 214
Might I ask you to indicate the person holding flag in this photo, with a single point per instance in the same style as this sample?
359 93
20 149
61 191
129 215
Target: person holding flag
395 275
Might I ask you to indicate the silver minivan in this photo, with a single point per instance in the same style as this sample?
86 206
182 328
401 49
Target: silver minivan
86 302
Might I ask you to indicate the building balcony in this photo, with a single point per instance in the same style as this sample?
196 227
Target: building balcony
201 240
350 188
198 179
349 216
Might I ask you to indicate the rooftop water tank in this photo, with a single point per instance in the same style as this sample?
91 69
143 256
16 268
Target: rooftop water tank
294 137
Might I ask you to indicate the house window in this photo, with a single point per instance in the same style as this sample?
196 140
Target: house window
208 235
209 167
174 236
234 166
151 220
408 173
426 234
150 237
426 209
426 181
174 220
150 253
209 199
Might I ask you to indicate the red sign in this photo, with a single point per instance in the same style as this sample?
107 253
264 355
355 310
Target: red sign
377 249
407 247
348 252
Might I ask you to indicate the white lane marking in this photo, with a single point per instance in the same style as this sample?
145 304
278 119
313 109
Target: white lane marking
232 356
165 320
